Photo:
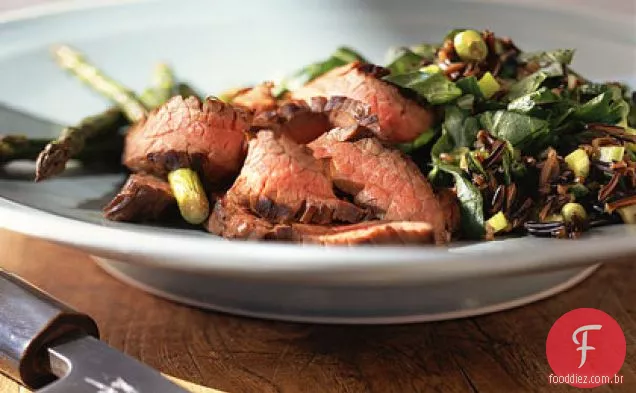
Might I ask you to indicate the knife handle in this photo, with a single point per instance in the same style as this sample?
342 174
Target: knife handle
30 320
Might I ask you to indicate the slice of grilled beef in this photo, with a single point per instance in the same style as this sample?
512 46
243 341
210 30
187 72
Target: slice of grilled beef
232 221
208 136
368 232
295 119
305 121
400 118
282 182
258 98
381 179
142 198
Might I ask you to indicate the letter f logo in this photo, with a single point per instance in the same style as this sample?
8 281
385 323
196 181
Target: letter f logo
584 347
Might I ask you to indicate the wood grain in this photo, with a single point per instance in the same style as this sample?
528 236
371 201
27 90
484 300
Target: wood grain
502 352
9 386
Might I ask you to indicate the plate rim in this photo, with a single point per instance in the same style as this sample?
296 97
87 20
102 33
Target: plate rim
322 264
565 285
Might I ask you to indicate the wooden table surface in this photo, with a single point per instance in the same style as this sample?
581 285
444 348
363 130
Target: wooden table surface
502 352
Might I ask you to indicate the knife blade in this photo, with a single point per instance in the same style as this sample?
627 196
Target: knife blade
14 121
46 345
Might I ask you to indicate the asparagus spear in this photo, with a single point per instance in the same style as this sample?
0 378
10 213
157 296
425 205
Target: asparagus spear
74 62
20 147
163 89
54 156
72 140
192 201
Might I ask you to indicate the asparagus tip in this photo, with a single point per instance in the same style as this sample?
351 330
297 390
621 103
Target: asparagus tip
51 161
61 49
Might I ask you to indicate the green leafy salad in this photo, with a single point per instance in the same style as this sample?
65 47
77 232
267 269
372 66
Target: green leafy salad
528 144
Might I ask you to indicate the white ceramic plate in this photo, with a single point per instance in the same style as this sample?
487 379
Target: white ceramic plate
217 44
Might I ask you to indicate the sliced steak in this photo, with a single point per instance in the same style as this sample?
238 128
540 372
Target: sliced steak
304 121
258 98
345 112
295 119
368 232
381 179
400 119
282 182
208 137
232 221
142 198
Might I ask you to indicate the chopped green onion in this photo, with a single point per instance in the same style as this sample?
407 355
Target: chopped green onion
488 85
610 154
431 69
497 223
571 209
579 162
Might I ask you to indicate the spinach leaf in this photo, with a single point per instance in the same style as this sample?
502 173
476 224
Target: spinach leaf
422 140
559 113
591 89
473 164
425 50
470 85
530 101
601 109
348 55
533 81
444 144
434 87
623 109
471 203
466 102
343 55
526 85
461 127
489 105
562 56
404 61
552 70
518 129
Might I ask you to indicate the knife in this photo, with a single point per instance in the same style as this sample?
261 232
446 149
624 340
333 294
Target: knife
46 345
